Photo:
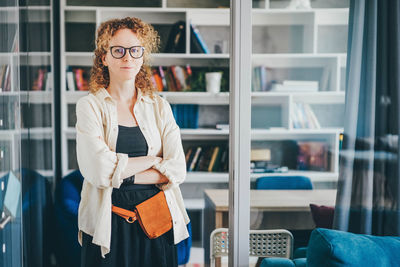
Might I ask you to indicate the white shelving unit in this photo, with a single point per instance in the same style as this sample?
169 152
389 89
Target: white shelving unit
16 133
311 23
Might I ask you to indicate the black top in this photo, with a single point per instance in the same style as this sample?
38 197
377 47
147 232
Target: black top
131 141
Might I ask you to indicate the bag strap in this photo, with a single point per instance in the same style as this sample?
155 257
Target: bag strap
128 215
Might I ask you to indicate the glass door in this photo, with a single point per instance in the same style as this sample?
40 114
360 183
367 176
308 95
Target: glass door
26 133
10 138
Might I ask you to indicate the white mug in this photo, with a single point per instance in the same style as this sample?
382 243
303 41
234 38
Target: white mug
213 82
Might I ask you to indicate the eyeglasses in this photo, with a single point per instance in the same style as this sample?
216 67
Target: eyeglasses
119 51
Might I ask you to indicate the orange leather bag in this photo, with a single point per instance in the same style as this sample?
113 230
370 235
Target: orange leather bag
153 215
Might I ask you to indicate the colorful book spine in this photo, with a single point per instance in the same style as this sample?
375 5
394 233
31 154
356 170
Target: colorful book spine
79 79
202 43
175 78
164 81
195 158
213 158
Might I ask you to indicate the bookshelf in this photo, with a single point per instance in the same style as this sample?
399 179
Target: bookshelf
27 128
319 55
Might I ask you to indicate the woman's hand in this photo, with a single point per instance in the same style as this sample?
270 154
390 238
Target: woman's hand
156 159
139 164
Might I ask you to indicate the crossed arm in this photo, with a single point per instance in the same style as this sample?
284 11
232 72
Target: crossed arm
144 173
104 168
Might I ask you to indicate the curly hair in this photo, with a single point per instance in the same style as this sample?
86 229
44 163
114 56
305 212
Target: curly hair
99 76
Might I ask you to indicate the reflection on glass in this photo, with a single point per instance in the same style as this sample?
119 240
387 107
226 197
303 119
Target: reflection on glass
10 138
297 120
26 131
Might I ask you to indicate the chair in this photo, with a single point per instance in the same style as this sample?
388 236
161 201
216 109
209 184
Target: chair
37 219
284 182
183 247
67 198
263 243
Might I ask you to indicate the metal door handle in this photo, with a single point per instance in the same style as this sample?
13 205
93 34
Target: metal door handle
4 222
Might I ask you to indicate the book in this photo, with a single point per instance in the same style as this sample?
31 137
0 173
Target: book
198 39
189 156
217 162
164 81
70 81
301 116
264 79
176 82
185 109
181 76
213 158
295 118
224 161
49 81
157 80
7 84
80 79
39 82
311 116
256 82
195 158
188 77
312 155
171 87
195 117
260 155
204 159
295 86
2 74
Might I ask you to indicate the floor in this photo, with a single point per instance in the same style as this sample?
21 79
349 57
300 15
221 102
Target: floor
197 259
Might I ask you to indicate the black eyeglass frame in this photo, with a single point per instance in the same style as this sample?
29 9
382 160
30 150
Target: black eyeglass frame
129 49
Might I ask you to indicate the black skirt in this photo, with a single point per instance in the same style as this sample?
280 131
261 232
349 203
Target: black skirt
129 244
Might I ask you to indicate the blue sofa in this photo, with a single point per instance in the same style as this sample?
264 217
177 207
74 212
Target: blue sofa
332 248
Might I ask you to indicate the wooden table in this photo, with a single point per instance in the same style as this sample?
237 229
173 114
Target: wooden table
279 209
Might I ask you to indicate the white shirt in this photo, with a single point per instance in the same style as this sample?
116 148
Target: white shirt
101 166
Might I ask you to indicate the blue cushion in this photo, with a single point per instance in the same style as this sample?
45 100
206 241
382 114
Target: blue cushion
183 247
277 262
284 182
300 253
70 192
337 248
66 214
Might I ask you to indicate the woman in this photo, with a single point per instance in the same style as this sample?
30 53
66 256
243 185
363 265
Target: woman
128 149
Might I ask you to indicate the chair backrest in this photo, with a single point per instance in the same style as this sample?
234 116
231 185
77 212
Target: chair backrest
262 243
183 247
284 182
68 192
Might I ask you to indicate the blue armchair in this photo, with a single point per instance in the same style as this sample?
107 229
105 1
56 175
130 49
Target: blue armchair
67 198
183 247
342 249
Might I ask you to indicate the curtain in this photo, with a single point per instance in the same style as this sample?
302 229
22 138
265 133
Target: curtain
368 193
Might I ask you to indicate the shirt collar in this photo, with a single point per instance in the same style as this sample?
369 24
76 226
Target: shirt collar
104 94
